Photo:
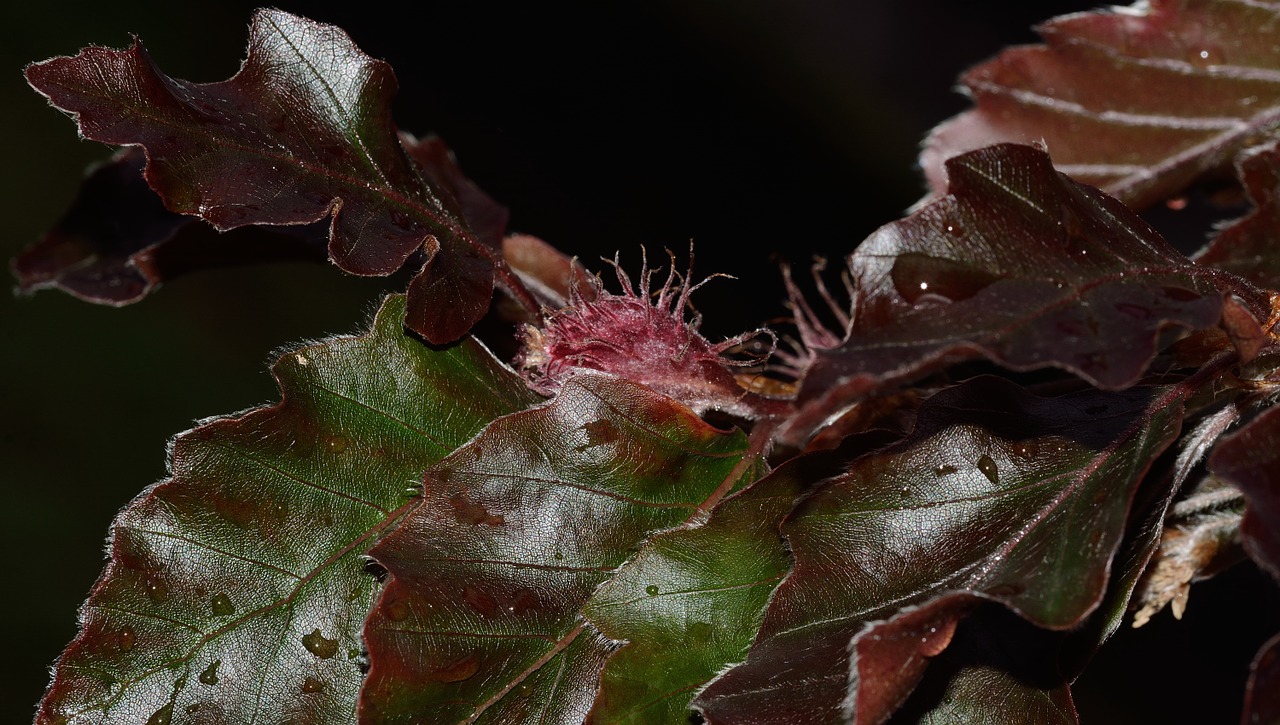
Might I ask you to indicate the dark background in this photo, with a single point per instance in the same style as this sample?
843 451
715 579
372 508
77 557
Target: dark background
746 126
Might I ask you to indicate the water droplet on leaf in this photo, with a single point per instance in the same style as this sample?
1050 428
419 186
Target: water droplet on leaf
156 590
221 605
945 469
163 716
916 275
700 631
337 444
319 646
397 610
989 468
210 674
651 590
126 639
311 685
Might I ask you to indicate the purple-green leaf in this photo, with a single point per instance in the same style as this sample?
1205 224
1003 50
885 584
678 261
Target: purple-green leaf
712 583
236 588
1139 101
1022 265
481 618
302 132
999 493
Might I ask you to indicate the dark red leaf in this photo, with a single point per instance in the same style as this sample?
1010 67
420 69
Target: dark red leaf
1139 100
998 493
1250 247
300 133
1022 265
117 242
486 217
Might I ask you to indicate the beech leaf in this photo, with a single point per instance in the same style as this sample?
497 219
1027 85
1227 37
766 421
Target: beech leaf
997 494
1139 100
690 603
481 618
236 588
302 132
117 242
1022 265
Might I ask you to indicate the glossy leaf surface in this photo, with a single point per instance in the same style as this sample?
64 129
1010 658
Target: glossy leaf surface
690 603
1019 264
236 588
1012 497
302 132
480 620
1139 101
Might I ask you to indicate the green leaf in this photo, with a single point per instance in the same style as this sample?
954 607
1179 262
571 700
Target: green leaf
236 588
481 620
690 603
997 493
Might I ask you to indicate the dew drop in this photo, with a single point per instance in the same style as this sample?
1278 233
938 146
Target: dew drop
651 590
163 716
126 639
397 610
915 275
989 468
156 590
221 605
210 674
559 555
311 685
457 671
337 444
945 469
319 646
700 631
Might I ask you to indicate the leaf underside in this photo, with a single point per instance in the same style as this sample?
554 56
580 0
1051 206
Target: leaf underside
302 132
1139 101
236 588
